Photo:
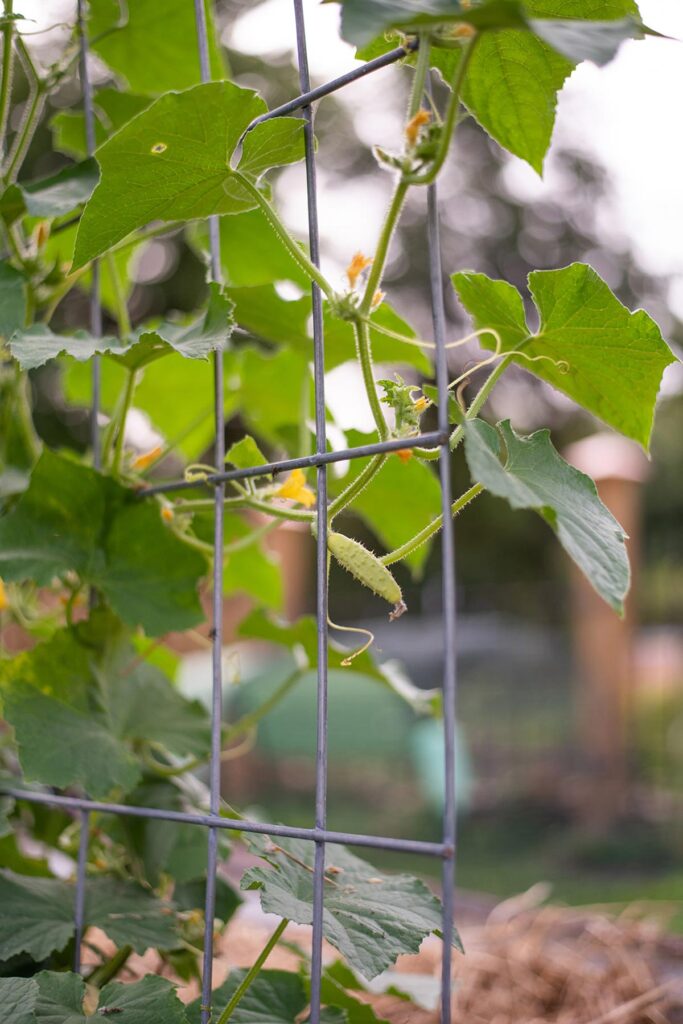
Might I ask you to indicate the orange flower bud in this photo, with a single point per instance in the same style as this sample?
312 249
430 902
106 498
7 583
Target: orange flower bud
4 599
167 514
405 454
356 267
146 459
412 129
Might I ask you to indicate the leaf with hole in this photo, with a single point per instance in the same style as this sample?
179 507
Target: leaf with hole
173 162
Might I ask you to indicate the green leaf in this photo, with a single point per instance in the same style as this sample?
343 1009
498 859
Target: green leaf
50 197
271 389
363 20
534 476
604 357
17 999
36 915
335 984
36 345
73 518
62 746
266 315
12 301
410 487
340 345
210 333
81 691
597 41
173 163
154 48
149 1001
253 254
245 453
278 997
370 917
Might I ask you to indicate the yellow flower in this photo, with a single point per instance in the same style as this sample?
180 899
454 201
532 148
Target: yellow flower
167 514
4 600
356 267
421 404
413 127
295 489
146 459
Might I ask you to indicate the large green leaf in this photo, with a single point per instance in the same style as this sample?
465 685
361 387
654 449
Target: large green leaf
370 917
36 915
154 47
17 999
173 163
50 197
80 705
593 348
410 487
253 254
275 997
149 1001
534 476
37 344
363 20
12 301
73 518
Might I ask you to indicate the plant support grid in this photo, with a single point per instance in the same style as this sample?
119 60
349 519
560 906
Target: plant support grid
213 821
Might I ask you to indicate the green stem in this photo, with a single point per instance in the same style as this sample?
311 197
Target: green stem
248 721
278 511
293 248
364 349
386 234
170 771
105 972
480 399
353 489
119 298
421 71
449 124
30 122
411 545
252 973
7 68
251 538
121 428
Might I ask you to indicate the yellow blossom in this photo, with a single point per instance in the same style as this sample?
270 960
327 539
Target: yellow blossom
377 299
4 600
413 127
146 459
295 489
356 267
421 404
167 514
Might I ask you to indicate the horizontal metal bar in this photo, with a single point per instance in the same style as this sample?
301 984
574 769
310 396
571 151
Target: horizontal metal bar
429 440
211 821
306 98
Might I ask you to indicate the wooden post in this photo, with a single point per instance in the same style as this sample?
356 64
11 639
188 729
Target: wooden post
603 643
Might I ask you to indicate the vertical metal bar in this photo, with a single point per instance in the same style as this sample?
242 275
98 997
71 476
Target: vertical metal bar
321 507
449 600
95 310
95 304
217 601
79 903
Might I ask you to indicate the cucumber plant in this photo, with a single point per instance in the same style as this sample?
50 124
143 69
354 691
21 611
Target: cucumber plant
97 571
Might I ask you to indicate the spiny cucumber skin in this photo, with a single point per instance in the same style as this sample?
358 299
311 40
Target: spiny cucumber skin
365 566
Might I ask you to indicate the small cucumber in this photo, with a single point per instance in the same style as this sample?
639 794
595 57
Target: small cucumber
367 568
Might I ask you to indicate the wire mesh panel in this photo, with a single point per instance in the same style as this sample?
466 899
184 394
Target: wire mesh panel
214 821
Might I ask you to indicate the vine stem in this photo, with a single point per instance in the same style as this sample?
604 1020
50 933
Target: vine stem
30 121
356 486
119 298
364 351
6 80
295 250
131 383
248 721
253 971
245 501
398 554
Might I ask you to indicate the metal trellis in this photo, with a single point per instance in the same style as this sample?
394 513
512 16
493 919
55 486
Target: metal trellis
213 821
